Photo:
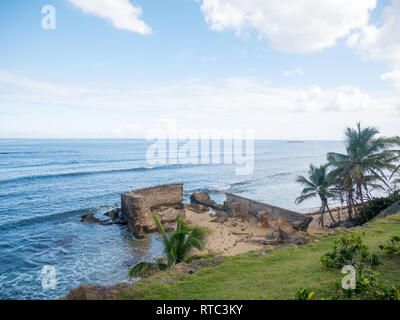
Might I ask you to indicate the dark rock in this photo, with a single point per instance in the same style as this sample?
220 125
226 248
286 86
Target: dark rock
113 214
220 217
120 222
90 218
280 237
204 199
179 206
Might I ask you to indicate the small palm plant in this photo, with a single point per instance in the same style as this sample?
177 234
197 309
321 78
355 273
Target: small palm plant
317 185
177 245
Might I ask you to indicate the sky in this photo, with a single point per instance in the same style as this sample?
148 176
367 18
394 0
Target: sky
122 68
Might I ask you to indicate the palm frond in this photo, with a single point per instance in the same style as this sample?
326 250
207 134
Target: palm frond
143 268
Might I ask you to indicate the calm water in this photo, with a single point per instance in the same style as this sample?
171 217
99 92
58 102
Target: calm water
46 185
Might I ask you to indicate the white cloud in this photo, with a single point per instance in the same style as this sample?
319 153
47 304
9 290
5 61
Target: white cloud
296 26
352 100
121 13
196 94
381 42
197 103
394 77
295 72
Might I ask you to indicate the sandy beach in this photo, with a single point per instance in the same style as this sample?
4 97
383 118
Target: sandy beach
229 237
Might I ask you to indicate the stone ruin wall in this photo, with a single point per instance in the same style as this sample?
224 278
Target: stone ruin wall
266 215
136 205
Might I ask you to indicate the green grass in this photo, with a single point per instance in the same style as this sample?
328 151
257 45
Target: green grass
274 275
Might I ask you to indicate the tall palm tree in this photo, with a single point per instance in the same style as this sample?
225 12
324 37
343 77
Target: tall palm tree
364 166
317 185
177 245
397 170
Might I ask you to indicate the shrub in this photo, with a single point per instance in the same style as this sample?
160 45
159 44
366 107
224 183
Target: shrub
367 287
177 246
348 251
394 292
377 205
145 269
392 247
304 294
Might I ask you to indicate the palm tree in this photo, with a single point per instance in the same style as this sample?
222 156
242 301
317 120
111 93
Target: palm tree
397 170
177 245
317 185
363 167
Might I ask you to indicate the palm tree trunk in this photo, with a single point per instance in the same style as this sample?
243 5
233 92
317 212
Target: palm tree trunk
350 205
362 201
330 213
322 212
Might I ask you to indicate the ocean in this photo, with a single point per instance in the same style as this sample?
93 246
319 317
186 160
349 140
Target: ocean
47 185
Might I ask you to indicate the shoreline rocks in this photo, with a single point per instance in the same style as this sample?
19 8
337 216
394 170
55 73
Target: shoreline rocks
203 198
114 214
90 218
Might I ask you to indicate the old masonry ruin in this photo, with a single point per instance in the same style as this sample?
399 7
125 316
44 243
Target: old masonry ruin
137 207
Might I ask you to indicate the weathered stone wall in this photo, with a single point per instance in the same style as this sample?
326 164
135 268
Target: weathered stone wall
268 216
136 205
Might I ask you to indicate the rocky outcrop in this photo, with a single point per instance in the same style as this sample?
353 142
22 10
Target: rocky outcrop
90 218
266 215
281 237
137 206
220 217
114 214
91 292
203 198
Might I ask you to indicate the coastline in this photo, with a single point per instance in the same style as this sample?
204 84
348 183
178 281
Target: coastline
228 236
242 274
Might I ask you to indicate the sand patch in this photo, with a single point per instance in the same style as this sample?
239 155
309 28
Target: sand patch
229 237
339 214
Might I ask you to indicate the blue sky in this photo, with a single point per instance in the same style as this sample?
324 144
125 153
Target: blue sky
205 65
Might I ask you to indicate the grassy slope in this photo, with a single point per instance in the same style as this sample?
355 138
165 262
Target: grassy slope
274 275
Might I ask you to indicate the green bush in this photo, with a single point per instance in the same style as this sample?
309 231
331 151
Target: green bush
367 287
304 294
377 205
392 247
394 292
348 251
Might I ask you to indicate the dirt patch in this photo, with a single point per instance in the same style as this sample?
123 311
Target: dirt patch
339 214
232 236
